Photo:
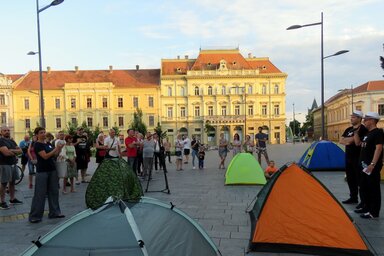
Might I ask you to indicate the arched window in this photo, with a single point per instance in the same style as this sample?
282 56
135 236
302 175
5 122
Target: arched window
276 89
197 91
209 90
264 89
250 89
169 91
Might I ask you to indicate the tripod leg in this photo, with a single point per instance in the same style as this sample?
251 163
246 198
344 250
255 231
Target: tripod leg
162 159
149 178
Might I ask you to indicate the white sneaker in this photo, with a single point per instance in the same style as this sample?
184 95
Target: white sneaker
193 167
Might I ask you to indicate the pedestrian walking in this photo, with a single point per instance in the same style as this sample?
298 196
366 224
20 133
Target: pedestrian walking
261 145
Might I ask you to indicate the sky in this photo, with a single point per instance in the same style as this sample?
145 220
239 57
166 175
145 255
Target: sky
94 34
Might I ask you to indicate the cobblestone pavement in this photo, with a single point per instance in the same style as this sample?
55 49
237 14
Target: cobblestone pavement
200 193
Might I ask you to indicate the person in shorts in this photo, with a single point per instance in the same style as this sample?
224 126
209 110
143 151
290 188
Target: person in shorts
187 148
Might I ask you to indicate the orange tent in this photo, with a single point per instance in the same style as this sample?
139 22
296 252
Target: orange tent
295 213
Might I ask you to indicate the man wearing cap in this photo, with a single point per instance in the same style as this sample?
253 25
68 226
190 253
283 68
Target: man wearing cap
371 159
352 153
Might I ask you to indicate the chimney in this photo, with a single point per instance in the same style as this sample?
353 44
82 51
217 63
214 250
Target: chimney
49 70
186 57
137 67
249 55
77 69
178 57
110 68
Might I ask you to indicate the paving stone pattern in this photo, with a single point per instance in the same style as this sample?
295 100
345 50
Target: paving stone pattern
219 209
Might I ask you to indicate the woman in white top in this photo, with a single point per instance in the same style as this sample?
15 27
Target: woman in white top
236 144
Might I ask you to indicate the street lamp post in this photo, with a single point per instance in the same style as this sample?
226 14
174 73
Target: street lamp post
294 123
321 23
38 11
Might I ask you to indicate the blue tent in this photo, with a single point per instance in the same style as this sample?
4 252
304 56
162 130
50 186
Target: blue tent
323 156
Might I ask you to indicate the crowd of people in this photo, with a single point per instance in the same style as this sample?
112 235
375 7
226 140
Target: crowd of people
67 157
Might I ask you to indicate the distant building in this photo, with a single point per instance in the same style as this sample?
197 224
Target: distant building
224 88
366 97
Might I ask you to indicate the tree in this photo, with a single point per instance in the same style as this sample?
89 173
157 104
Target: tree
160 132
295 126
137 123
71 128
209 129
308 123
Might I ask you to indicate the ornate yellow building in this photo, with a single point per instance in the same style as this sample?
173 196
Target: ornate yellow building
234 94
103 98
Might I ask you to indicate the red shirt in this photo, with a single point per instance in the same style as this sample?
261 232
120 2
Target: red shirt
131 152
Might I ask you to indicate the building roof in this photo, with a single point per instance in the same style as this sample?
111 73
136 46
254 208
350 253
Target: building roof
367 87
210 60
53 80
14 77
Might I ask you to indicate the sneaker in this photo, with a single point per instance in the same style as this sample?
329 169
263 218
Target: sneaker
15 201
4 206
367 216
350 201
193 167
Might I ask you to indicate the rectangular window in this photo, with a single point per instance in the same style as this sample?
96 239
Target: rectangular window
224 110
150 101
73 102
197 111
276 110
237 110
264 110
380 109
27 123
26 104
276 89
250 110
210 110
105 102
121 121
135 102
170 112
58 122
89 121
151 120
57 103
120 102
74 120
3 118
223 91
89 102
2 99
182 111
105 121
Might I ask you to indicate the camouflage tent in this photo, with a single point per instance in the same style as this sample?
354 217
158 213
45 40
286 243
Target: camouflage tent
113 178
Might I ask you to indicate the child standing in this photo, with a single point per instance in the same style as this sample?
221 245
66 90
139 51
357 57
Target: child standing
201 157
270 170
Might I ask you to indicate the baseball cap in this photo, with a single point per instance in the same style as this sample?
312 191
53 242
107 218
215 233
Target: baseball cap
372 115
357 113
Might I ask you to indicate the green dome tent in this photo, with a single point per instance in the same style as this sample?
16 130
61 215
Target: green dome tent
244 169
113 178
141 228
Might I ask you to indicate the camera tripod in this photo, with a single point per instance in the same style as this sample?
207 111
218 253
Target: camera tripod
161 163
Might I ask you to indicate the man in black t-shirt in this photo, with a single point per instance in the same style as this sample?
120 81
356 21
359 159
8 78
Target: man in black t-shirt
352 153
8 172
371 159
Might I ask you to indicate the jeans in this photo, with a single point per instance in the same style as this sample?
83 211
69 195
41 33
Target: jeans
194 155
